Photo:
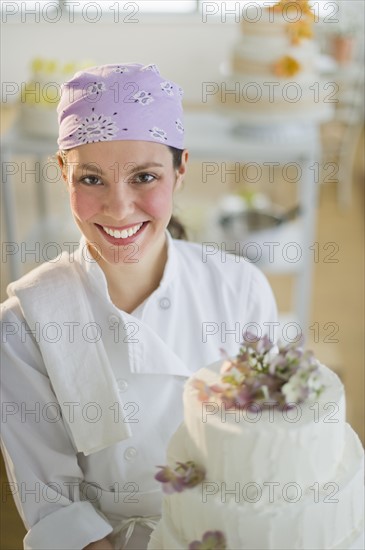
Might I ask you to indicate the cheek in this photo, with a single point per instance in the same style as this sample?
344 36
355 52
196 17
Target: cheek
159 203
83 205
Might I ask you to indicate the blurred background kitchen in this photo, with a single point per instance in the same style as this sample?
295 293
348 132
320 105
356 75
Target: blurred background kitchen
279 183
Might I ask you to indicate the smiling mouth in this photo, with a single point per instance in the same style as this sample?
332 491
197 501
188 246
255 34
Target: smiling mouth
124 233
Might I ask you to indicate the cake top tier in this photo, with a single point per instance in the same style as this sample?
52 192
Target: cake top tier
292 17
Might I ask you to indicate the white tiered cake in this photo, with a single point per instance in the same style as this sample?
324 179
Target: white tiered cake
287 477
274 67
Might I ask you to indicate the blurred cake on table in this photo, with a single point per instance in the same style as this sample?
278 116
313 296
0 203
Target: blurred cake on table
41 93
274 67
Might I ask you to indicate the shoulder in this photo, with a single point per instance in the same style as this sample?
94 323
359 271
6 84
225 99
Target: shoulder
34 290
231 282
53 272
10 311
209 260
19 346
24 314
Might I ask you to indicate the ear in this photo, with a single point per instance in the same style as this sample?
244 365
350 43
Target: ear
180 173
62 166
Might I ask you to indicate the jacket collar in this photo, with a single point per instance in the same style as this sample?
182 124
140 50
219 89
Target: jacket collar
90 267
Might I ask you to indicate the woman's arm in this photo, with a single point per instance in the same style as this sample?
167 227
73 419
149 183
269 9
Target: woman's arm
42 466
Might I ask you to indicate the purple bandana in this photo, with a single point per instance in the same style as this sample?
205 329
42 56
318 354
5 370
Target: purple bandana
120 102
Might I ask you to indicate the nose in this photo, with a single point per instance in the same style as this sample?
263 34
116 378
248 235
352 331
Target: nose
119 201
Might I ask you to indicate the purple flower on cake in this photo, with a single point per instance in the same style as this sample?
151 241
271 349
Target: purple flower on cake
212 540
263 375
252 344
184 476
304 384
204 390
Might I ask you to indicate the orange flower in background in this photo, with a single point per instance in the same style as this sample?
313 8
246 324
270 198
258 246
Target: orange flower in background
298 31
286 66
283 4
293 4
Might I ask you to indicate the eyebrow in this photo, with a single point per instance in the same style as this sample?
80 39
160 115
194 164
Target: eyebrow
92 167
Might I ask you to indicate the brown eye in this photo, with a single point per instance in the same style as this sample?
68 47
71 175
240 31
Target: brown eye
91 180
144 178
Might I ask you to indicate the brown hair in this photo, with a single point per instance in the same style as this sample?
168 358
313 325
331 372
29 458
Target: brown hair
175 226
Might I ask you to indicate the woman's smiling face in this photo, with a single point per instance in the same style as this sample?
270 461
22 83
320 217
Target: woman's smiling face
121 195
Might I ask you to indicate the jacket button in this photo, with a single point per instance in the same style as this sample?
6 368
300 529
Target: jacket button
113 320
122 384
130 454
165 303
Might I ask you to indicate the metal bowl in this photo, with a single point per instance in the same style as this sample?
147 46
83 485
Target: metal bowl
238 225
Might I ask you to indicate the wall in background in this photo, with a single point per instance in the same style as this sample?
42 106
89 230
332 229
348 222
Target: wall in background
186 50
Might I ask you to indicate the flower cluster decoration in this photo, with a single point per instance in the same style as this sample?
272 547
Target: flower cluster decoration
291 5
264 375
212 540
301 28
286 67
185 476
298 31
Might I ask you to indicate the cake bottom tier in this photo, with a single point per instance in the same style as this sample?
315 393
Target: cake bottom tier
330 518
165 537
269 99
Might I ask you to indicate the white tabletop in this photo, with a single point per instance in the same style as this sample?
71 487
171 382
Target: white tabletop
212 135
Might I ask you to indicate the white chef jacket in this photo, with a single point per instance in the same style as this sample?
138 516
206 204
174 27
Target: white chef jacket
66 499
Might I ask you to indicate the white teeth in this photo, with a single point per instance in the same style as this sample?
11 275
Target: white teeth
123 234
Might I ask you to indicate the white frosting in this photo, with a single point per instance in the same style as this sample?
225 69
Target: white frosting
256 91
325 516
259 19
275 47
267 99
40 121
304 444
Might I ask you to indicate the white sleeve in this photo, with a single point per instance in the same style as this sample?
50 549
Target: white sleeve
41 462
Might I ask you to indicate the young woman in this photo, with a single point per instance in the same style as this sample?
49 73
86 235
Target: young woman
98 344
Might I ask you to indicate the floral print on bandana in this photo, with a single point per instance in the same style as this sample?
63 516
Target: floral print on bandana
179 126
96 128
95 88
151 67
120 69
167 87
158 133
143 97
